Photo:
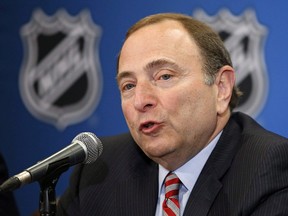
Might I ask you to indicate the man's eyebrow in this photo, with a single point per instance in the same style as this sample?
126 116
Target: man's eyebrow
160 63
123 75
153 65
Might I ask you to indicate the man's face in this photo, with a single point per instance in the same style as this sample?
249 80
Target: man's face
170 111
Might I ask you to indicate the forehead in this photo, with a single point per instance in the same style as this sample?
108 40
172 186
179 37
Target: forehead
166 39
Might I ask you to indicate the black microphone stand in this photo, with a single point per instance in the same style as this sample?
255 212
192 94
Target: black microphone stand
47 198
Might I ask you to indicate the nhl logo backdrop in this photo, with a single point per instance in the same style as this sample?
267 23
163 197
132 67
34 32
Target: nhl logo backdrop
244 39
60 79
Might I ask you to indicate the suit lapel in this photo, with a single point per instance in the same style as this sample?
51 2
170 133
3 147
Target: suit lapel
138 194
202 196
138 197
209 183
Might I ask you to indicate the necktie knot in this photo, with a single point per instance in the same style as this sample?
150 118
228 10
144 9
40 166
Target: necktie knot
172 184
171 206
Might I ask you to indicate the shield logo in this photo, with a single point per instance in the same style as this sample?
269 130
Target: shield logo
60 80
244 38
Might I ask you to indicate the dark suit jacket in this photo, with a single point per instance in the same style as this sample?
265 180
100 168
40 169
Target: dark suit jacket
246 174
7 202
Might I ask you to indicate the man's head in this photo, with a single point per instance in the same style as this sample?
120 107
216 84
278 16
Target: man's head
176 82
212 49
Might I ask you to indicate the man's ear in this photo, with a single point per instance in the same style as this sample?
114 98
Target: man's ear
225 82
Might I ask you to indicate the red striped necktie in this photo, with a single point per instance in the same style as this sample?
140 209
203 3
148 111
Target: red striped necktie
171 206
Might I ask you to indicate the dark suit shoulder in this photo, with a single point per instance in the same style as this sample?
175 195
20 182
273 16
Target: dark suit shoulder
251 128
257 147
256 178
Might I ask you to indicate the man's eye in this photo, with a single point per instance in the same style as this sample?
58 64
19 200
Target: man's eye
165 76
128 86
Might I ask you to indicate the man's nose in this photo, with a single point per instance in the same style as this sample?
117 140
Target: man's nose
145 97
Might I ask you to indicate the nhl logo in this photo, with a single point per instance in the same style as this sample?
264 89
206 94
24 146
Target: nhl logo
244 39
60 80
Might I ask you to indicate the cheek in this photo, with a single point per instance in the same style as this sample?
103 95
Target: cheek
127 111
186 101
192 106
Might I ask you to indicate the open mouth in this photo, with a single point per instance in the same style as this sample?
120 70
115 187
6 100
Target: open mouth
148 125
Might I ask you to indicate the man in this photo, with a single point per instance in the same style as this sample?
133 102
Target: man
178 91
7 203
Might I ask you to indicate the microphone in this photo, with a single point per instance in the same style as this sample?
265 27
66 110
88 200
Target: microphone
85 148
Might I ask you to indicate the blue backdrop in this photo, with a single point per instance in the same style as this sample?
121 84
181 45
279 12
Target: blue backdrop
30 125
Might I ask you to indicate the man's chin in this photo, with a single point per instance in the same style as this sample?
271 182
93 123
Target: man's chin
157 153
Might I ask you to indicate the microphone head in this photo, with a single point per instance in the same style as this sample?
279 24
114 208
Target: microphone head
93 144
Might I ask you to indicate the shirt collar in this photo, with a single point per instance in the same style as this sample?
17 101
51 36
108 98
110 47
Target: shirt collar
190 171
